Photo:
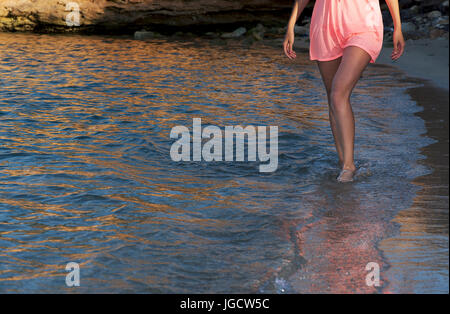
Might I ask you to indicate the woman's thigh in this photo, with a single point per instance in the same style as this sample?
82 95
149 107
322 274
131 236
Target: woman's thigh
353 63
328 70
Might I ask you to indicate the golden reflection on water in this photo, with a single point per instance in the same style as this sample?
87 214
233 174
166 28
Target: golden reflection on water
85 172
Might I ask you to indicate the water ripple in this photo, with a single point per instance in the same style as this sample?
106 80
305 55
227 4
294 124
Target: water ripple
86 176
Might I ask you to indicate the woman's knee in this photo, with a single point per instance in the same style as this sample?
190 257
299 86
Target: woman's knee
339 99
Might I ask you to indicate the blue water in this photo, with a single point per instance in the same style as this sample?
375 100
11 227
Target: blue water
86 174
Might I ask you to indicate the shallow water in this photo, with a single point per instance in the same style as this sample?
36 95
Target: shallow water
86 174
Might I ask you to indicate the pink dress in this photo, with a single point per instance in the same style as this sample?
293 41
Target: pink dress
336 24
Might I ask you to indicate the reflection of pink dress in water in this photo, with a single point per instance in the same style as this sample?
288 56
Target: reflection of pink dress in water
336 24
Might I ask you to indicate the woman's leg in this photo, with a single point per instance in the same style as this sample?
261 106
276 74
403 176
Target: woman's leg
353 63
328 69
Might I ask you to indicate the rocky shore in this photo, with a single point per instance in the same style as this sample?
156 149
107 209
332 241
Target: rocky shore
254 19
122 16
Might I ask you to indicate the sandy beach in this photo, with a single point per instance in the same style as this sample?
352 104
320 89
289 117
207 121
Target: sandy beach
423 58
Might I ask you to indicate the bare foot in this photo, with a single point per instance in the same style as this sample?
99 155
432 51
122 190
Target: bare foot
346 175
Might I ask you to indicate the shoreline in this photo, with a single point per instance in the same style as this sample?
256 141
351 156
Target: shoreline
425 222
427 218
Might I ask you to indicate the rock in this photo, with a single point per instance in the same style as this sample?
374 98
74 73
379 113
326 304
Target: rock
414 9
434 14
278 30
236 33
301 30
257 32
409 28
211 34
260 27
306 20
423 31
406 14
387 37
169 16
417 19
257 36
435 33
442 20
145 35
444 5
132 15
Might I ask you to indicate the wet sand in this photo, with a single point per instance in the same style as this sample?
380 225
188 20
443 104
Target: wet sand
425 224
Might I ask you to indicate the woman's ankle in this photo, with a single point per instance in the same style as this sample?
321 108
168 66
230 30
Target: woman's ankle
348 166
